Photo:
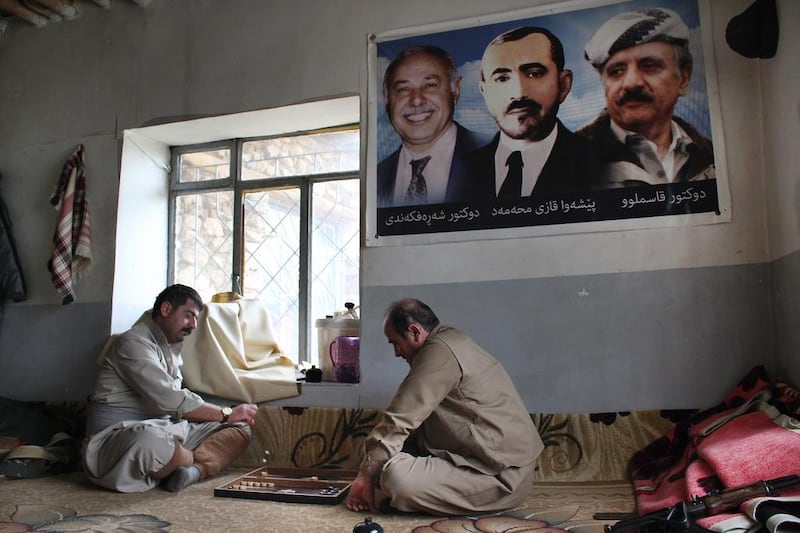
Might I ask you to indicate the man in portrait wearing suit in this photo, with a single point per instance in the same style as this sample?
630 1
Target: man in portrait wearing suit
645 66
523 82
421 88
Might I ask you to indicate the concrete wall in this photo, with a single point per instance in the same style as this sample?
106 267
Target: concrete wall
781 112
667 317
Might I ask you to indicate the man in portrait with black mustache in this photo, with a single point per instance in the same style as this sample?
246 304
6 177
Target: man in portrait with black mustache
523 82
645 66
421 87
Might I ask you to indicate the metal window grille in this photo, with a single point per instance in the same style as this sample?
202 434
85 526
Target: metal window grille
277 219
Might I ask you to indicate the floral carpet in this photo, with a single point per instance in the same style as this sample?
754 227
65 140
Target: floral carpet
580 448
68 502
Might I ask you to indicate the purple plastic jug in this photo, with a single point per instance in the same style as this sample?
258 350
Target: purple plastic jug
344 356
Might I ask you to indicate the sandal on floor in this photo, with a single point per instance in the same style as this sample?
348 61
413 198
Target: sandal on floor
7 444
29 461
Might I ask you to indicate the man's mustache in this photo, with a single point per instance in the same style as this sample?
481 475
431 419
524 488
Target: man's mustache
527 104
638 95
429 108
187 331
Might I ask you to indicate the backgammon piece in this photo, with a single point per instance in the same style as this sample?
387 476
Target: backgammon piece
368 526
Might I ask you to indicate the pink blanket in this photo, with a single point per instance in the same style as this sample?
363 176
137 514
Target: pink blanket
741 441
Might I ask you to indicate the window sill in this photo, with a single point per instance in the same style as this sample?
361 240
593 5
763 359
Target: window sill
322 394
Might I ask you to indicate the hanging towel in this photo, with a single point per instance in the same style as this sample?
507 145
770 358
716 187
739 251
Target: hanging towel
72 240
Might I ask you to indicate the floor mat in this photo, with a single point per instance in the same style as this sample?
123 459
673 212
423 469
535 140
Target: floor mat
72 500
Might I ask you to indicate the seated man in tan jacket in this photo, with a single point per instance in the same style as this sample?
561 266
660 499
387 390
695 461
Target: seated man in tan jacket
473 444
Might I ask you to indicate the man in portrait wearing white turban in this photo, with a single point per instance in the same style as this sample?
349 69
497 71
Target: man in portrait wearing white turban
645 66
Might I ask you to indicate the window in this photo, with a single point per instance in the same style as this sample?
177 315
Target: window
275 219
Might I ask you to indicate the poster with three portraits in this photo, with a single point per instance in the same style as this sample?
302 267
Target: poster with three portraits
578 116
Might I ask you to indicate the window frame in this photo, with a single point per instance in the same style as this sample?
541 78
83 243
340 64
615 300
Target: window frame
239 187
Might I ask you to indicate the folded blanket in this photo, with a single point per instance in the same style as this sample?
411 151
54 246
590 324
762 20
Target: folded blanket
744 440
750 448
667 472
777 513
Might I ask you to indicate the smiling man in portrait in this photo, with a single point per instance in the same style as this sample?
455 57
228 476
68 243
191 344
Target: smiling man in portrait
421 88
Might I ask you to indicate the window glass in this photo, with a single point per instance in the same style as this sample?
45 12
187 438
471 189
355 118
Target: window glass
204 166
203 241
272 259
317 153
292 243
335 243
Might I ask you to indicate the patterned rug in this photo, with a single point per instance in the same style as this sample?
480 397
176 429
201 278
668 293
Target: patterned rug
68 502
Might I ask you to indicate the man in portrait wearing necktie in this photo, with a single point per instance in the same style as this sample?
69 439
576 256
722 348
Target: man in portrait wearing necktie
523 82
645 66
421 87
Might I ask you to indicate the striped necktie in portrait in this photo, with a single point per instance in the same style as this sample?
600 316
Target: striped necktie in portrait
418 190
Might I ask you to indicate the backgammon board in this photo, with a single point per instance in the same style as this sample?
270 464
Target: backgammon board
294 485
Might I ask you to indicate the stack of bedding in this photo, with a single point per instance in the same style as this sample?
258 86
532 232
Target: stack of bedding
752 436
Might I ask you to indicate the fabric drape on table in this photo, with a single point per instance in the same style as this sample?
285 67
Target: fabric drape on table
233 354
72 240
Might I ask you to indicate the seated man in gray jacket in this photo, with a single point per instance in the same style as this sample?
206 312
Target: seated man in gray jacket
143 426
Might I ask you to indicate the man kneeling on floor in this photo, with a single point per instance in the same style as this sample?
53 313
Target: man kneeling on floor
456 438
143 427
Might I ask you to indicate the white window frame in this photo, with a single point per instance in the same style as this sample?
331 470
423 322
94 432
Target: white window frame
141 242
240 187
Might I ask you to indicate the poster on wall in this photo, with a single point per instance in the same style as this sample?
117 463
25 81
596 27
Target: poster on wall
573 117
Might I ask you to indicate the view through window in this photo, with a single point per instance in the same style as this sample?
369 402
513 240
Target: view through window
275 219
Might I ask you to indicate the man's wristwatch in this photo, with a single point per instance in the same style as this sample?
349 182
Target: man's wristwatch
226 413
